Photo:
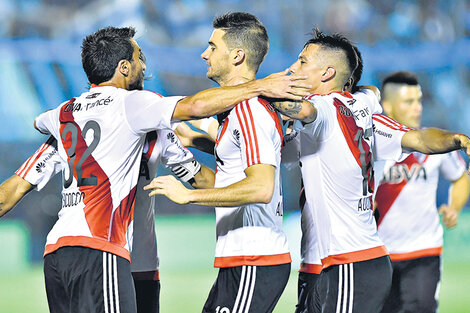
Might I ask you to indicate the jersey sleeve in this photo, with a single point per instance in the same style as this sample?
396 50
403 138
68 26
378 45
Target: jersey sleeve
256 133
173 151
322 126
48 122
452 166
44 164
146 111
369 97
388 135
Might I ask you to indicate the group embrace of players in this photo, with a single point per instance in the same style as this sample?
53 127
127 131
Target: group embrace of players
101 255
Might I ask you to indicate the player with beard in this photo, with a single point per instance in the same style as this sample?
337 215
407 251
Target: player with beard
100 136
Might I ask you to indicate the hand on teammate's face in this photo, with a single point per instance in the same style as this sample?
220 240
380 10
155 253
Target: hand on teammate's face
283 85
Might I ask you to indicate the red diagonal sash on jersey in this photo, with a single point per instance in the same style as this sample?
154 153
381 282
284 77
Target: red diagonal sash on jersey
350 129
98 201
387 193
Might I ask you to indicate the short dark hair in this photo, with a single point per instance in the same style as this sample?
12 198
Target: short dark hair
401 77
335 42
244 30
102 51
357 74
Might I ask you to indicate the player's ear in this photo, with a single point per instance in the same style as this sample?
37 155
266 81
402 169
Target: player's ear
237 56
124 67
328 74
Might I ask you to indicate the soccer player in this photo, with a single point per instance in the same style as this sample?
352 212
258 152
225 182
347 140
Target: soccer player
100 136
337 145
162 146
251 251
408 220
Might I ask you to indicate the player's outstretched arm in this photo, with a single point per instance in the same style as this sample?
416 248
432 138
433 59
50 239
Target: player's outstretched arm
12 191
458 195
434 141
217 100
257 187
300 109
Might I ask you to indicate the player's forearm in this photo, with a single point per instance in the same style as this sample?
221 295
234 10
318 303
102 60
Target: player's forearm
300 110
459 192
11 192
433 141
248 190
217 100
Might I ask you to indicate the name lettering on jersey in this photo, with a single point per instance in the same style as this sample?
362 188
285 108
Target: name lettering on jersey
381 133
401 172
73 107
356 113
364 204
70 199
99 102
361 113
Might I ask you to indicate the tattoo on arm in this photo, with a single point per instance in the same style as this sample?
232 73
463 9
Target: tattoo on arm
289 108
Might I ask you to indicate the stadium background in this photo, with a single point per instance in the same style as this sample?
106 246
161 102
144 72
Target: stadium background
40 67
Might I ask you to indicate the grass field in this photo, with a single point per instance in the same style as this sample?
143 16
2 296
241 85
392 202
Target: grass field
186 248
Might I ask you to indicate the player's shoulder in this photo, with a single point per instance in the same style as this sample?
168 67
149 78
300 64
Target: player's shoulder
142 94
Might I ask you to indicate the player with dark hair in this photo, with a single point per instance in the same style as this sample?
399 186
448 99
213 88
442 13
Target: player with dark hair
407 216
162 146
100 136
338 144
251 251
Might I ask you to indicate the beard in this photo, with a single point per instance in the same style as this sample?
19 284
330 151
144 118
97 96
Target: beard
138 84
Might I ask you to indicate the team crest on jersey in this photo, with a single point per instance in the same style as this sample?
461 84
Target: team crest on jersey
93 95
40 166
401 172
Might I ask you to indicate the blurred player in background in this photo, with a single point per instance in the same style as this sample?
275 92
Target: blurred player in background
251 249
161 146
407 217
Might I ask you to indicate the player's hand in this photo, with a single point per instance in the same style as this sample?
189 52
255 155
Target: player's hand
283 85
449 216
169 187
464 142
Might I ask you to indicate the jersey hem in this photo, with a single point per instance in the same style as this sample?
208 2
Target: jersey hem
355 256
310 268
396 257
88 242
254 260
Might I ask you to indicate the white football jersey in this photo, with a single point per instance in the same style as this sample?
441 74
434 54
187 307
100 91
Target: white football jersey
100 139
250 234
408 220
336 155
387 145
161 146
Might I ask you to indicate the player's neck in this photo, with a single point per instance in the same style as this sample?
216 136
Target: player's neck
238 78
327 88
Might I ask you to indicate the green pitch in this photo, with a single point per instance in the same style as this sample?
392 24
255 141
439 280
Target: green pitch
186 247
